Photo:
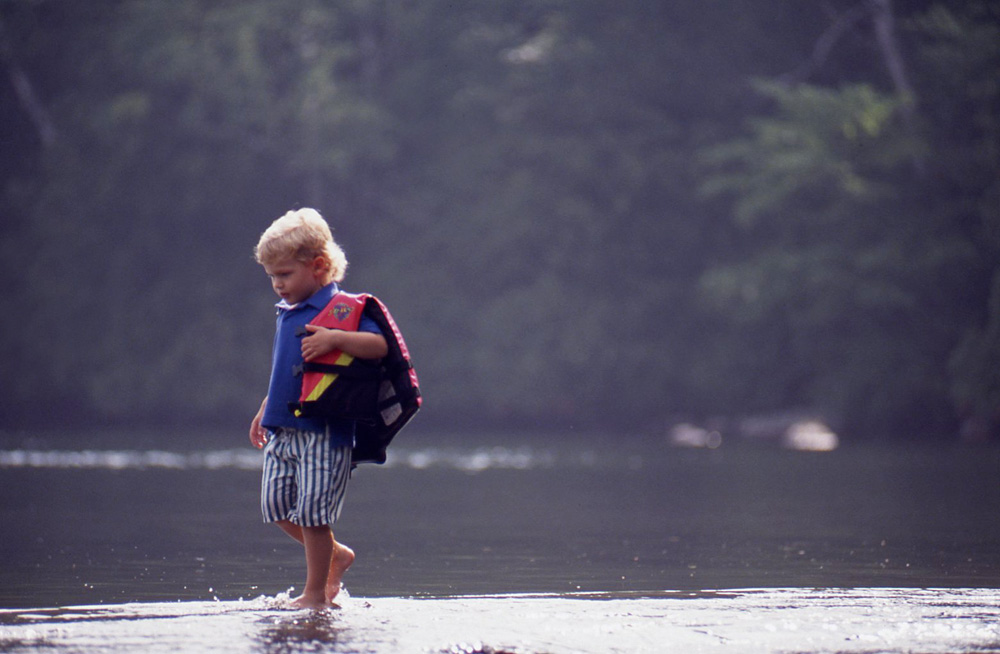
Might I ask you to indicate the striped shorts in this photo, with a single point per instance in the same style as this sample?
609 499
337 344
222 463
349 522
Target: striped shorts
305 478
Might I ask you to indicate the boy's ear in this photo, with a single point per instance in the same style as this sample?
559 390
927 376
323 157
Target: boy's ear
320 266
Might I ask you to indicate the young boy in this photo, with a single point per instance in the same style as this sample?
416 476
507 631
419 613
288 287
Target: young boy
307 459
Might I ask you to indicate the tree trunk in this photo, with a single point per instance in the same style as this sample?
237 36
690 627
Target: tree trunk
885 32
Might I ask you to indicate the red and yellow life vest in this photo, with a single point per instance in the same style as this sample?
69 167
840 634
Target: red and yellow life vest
381 395
343 312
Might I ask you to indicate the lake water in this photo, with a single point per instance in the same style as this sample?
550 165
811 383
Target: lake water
547 516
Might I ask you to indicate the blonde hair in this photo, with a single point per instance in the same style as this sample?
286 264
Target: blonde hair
302 235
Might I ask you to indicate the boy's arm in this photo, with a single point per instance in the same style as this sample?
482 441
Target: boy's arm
258 435
363 345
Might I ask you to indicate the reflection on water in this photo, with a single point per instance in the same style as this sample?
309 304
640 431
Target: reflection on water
546 515
300 631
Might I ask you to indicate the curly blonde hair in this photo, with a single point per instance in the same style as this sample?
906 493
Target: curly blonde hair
302 235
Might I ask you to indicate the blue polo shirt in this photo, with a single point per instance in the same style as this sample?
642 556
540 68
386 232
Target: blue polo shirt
285 387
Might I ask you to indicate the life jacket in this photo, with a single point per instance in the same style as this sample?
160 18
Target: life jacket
381 395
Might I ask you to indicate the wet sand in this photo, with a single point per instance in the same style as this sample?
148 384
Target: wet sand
862 620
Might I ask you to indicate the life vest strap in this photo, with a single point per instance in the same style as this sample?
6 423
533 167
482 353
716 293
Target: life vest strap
399 367
400 397
355 370
302 331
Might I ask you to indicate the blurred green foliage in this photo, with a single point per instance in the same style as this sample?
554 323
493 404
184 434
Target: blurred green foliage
581 213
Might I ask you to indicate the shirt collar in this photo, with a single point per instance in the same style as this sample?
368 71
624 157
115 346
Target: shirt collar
317 300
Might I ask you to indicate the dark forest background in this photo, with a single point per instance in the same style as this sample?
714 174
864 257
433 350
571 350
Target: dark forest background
582 213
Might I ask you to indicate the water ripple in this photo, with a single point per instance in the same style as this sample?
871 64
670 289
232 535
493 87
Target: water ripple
469 460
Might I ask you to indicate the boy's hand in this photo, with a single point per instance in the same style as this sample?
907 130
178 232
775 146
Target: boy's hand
319 342
258 435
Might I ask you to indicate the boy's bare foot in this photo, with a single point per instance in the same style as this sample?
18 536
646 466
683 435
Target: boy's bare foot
343 557
305 601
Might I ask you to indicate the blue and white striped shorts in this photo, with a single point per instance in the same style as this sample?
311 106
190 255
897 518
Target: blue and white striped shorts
305 478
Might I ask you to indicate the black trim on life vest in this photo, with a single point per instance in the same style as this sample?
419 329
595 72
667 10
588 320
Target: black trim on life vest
399 392
358 369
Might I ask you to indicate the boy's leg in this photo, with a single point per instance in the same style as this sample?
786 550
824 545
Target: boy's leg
340 559
305 478
318 542
343 557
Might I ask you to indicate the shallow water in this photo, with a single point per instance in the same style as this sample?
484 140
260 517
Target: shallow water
451 516
750 620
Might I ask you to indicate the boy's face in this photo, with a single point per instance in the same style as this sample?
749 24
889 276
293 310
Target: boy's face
293 280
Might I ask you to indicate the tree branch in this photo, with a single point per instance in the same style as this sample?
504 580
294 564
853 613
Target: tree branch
25 92
885 34
824 44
